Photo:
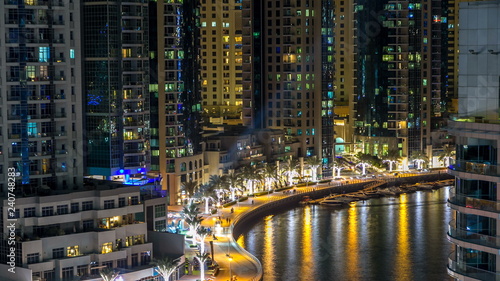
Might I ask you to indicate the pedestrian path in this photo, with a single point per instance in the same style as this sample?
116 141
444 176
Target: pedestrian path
232 259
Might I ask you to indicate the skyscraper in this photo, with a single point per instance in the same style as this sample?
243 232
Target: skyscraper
475 198
179 95
221 61
116 79
288 71
41 73
399 61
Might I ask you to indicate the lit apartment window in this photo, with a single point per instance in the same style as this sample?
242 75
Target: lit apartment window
107 248
73 251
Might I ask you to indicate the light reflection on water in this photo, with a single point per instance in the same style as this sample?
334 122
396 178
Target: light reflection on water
402 238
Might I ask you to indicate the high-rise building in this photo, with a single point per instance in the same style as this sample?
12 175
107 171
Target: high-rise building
395 63
476 128
221 63
40 95
116 88
180 156
288 71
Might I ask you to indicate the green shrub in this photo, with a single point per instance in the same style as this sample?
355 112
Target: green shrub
229 204
244 198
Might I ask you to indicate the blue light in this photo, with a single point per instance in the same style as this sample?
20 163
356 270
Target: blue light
139 170
121 171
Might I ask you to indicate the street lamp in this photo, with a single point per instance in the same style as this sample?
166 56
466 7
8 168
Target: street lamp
230 258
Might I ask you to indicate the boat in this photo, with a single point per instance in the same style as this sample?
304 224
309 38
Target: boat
333 202
305 200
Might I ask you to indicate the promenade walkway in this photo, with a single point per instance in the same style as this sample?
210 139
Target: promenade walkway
236 261
232 259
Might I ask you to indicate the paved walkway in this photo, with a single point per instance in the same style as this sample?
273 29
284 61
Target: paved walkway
232 259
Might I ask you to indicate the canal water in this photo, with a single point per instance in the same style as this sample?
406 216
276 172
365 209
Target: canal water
401 238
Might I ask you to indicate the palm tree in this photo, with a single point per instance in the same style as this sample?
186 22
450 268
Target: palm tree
252 175
108 274
202 257
336 165
392 157
189 188
419 157
270 176
290 169
219 185
234 182
205 193
314 163
191 212
447 154
203 232
165 266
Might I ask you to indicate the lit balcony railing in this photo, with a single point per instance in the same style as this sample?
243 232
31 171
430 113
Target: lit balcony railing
481 168
473 237
475 203
463 269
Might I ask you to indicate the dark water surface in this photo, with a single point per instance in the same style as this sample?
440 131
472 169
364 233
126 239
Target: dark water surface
401 238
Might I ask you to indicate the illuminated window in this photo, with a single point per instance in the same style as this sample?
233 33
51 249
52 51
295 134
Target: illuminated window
43 54
107 248
214 24
126 53
71 53
73 251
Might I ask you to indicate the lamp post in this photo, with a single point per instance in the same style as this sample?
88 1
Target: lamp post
229 258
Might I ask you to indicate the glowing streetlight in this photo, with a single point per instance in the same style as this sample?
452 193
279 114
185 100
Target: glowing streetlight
230 259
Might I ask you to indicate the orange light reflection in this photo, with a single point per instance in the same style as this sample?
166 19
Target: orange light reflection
352 258
307 252
403 259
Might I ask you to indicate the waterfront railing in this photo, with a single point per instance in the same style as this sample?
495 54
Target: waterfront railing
463 269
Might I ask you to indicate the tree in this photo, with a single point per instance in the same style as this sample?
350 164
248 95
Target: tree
290 169
419 157
191 212
165 266
392 157
219 185
252 175
205 193
203 233
202 258
336 166
314 163
447 154
108 274
270 175
189 188
234 182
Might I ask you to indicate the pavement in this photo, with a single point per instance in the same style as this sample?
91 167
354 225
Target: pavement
233 259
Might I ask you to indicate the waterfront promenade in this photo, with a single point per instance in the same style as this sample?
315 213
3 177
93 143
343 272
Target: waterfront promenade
236 261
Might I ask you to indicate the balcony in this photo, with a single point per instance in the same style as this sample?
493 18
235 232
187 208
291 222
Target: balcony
460 270
475 203
472 237
480 168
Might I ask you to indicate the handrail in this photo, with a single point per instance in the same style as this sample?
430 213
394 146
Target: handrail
470 271
474 167
472 237
475 203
